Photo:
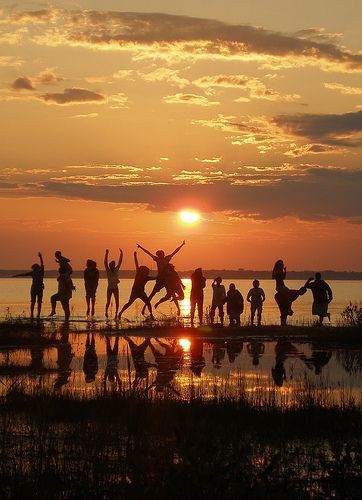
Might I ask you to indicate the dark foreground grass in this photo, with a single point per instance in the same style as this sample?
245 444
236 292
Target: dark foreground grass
126 446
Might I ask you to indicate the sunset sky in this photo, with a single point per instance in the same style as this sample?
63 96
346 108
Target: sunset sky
117 115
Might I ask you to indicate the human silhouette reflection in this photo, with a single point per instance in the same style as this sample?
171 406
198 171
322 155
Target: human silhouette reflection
233 349
167 365
218 353
318 359
37 357
141 366
111 371
284 350
197 357
90 360
64 358
255 350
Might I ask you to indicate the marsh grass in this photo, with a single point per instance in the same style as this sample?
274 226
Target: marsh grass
126 444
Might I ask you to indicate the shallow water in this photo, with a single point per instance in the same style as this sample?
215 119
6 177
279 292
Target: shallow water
264 372
14 300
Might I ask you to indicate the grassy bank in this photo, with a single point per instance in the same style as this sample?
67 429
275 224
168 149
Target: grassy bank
122 446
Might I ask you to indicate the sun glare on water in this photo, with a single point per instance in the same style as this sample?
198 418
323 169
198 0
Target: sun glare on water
189 217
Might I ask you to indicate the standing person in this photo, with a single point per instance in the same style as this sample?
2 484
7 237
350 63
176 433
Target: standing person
256 297
234 305
112 271
63 262
138 288
279 274
218 300
198 283
37 286
65 291
91 278
162 261
322 296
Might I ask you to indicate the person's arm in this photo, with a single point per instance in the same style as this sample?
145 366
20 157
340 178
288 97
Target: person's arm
135 260
120 259
41 261
330 294
30 273
248 297
146 251
106 260
262 295
177 249
307 283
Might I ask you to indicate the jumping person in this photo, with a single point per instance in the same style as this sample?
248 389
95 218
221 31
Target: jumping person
138 288
198 283
284 296
112 271
37 286
91 278
218 300
162 261
63 262
65 291
256 297
174 287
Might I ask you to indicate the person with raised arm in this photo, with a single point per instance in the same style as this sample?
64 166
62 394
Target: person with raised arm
138 289
37 285
112 271
162 261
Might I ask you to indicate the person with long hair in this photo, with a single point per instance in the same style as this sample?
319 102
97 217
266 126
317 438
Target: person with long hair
284 296
37 285
91 278
112 271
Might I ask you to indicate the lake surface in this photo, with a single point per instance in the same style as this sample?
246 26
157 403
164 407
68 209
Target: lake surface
15 297
282 371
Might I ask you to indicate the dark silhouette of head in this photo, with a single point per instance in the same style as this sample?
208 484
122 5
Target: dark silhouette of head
278 268
198 271
90 263
144 270
232 287
35 267
160 254
318 276
256 360
218 280
112 265
58 254
256 283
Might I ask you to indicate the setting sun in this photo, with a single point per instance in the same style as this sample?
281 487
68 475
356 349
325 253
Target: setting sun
189 217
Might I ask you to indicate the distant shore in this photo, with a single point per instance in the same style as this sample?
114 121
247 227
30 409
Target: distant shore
212 273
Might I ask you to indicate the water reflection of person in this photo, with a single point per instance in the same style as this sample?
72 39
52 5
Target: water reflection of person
218 353
233 349
167 364
36 356
197 357
141 366
284 350
318 359
111 371
64 358
255 350
90 360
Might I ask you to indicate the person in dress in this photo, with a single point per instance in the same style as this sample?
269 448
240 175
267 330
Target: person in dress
322 297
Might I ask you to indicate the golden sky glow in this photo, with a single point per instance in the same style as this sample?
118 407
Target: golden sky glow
117 115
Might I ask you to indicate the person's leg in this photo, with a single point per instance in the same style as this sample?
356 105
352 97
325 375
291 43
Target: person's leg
237 319
66 309
157 288
259 309
168 296
221 314
116 299
32 302
40 301
143 296
93 303
109 296
252 313
212 313
88 299
131 299
192 309
53 300
200 307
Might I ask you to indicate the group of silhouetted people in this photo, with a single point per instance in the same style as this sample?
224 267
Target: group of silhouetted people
168 279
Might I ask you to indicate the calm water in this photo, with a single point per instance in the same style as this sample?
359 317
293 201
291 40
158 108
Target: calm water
14 299
185 368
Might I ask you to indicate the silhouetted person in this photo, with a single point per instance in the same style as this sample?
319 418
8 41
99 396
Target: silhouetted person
162 261
284 296
37 286
141 366
63 262
233 349
112 271
90 360
91 279
197 356
65 292
256 297
218 300
111 371
322 296
284 350
255 350
198 283
174 287
138 288
234 305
